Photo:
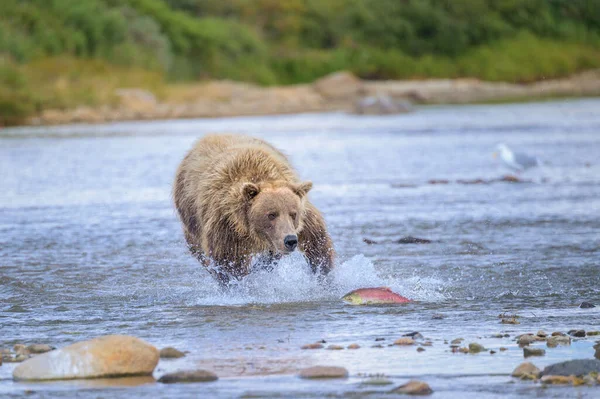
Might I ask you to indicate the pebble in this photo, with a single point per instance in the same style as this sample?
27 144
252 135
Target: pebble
492 352
587 305
419 349
556 340
527 352
39 348
354 346
427 343
474 347
457 341
542 334
509 321
377 346
525 370
502 349
379 339
170 353
335 347
404 341
558 334
497 336
577 333
312 346
188 376
414 387
323 372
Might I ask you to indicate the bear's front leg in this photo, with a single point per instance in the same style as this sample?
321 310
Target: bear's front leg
315 242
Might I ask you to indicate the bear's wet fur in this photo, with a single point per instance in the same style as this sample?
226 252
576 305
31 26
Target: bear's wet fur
238 198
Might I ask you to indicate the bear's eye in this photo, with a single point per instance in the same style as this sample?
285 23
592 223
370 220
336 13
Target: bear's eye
293 215
272 216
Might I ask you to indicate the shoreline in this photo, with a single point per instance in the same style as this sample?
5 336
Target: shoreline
340 91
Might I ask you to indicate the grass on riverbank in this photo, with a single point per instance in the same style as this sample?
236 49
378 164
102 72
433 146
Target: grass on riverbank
65 82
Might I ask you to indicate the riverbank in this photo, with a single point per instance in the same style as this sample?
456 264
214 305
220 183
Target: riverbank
340 91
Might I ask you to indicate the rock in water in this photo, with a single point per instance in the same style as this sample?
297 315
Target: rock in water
577 367
526 370
414 387
108 356
587 305
188 376
40 348
170 353
324 372
527 352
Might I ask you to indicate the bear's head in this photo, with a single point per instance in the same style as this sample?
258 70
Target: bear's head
275 211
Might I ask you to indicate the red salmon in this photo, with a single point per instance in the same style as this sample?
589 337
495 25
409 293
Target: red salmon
372 296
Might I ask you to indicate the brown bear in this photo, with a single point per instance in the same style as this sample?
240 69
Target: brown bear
238 198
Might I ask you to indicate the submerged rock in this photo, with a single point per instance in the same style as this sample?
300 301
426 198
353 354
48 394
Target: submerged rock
577 367
587 305
414 335
40 348
527 352
526 370
556 340
188 376
108 356
557 379
170 353
413 240
354 346
335 347
577 333
414 387
526 339
316 345
323 372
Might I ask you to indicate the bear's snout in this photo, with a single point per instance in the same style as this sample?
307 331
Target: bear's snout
291 242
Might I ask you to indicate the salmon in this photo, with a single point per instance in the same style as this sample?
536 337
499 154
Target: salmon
373 296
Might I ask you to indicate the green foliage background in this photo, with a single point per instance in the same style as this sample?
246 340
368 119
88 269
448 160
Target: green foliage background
49 45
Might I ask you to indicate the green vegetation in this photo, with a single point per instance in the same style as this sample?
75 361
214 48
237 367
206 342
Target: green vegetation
62 53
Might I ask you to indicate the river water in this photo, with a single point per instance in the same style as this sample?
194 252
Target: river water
90 244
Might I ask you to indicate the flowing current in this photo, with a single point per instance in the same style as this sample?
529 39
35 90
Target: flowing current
90 244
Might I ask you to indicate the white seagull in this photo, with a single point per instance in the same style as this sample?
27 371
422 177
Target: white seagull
518 161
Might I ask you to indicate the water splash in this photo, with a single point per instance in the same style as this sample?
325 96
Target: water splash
291 280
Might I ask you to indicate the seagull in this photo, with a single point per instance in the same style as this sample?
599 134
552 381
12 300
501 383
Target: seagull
518 161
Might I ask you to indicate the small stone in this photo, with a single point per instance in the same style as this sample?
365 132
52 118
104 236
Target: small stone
354 346
312 346
525 369
474 347
526 339
335 347
40 348
188 376
497 336
556 340
502 349
379 339
464 350
419 349
556 379
587 305
527 352
20 349
492 352
542 334
414 335
404 341
377 346
512 320
324 372
170 353
457 341
558 334
438 316
577 333
414 387
427 343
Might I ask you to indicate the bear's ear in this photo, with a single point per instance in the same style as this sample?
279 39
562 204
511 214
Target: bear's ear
249 191
303 188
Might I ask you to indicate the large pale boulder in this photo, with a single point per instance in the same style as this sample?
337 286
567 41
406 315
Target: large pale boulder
108 356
